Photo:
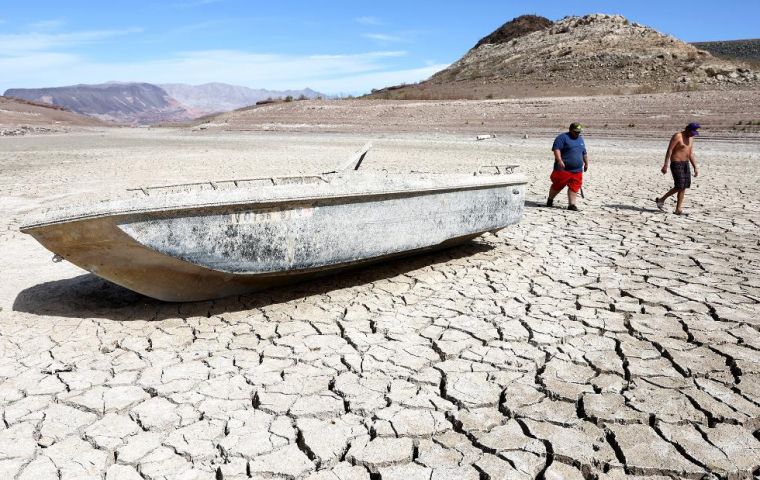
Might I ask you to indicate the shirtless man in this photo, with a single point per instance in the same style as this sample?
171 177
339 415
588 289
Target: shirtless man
680 153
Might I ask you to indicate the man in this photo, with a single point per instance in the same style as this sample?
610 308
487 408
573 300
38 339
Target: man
570 161
680 153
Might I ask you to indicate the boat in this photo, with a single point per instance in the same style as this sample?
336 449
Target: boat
200 241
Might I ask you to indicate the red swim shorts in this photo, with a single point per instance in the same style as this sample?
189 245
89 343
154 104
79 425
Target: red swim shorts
562 178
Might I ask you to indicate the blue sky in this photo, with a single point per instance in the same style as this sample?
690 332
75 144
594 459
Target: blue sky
334 47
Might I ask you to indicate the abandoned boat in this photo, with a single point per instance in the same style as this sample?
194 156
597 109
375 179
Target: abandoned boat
214 239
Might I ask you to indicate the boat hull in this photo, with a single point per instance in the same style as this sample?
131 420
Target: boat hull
199 253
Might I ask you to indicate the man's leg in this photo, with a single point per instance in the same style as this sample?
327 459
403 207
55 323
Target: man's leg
571 197
661 200
679 204
670 192
552 193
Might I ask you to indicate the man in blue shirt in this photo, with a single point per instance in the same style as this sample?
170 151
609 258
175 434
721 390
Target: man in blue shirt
570 161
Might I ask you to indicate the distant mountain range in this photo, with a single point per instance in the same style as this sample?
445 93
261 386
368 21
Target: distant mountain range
220 97
146 103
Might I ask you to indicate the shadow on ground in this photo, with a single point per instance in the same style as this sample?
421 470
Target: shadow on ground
618 206
89 296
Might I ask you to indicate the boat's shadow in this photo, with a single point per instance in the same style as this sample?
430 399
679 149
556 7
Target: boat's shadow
89 296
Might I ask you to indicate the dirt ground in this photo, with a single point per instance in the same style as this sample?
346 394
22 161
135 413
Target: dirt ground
728 114
618 341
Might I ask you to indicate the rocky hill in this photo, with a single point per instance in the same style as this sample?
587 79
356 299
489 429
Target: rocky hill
593 54
133 103
738 50
221 97
515 28
19 117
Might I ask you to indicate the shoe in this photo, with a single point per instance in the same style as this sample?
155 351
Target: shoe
660 204
572 207
549 202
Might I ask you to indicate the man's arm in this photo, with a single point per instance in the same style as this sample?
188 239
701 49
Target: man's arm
674 141
558 158
693 161
585 162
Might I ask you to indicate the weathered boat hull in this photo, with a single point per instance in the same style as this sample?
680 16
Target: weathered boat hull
199 252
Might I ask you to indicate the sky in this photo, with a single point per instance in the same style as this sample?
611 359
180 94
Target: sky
335 47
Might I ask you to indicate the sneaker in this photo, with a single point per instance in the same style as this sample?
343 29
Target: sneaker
549 202
660 204
572 207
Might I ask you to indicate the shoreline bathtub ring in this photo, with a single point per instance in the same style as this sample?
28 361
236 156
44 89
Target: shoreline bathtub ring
208 240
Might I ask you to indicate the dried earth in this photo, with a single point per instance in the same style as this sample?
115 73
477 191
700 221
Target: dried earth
735 113
618 342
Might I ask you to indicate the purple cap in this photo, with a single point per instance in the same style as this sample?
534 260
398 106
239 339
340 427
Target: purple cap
693 127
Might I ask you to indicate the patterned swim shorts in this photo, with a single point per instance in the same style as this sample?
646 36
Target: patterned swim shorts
681 174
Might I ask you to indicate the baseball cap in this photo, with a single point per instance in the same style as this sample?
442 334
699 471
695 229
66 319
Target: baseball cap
576 127
693 127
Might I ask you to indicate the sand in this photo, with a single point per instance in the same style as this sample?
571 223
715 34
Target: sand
614 341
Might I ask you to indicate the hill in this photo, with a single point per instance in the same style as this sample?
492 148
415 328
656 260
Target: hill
737 50
18 116
134 103
589 55
221 97
515 28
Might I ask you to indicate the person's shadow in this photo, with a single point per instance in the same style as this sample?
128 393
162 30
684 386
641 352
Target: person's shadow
619 206
89 296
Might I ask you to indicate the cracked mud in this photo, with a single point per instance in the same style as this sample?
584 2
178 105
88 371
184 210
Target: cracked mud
615 342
